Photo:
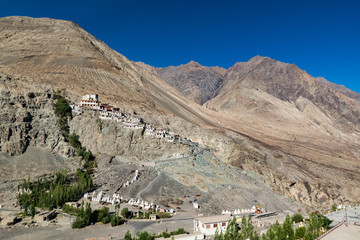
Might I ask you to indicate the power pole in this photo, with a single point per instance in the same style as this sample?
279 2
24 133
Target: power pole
346 222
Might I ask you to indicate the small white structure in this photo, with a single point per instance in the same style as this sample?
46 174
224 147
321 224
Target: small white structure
226 212
196 205
195 236
178 155
98 197
209 225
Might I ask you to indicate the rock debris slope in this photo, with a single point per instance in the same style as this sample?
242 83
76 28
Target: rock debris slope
294 134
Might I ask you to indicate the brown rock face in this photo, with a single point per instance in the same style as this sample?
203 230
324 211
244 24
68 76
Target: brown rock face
27 118
196 82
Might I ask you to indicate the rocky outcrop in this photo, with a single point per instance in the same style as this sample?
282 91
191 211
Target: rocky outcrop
110 138
27 118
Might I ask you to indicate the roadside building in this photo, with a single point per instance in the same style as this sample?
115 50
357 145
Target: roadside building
153 217
209 225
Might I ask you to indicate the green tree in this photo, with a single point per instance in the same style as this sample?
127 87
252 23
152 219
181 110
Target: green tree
297 217
125 213
313 226
117 209
62 108
300 232
74 141
143 236
333 208
325 221
247 229
32 210
218 236
103 215
279 233
87 214
128 236
308 236
270 234
232 230
288 229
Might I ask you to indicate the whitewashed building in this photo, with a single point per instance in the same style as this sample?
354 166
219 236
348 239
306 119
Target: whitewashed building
209 225
90 102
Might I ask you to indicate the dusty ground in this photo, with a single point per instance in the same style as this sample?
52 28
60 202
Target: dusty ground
16 168
64 230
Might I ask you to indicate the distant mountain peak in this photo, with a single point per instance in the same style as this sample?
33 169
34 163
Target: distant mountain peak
259 58
193 64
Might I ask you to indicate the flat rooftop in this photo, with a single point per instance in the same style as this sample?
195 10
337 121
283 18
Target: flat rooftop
215 219
351 232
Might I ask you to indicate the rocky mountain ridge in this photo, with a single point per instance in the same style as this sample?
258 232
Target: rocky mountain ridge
196 82
272 130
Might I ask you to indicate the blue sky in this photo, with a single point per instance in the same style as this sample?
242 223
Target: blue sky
321 37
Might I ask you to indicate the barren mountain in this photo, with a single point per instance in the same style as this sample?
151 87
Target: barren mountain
280 105
196 82
64 55
267 124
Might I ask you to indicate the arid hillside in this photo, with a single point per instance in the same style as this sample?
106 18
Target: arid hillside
64 55
298 135
285 109
196 82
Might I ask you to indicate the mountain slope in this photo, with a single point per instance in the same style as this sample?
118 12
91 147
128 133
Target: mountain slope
266 117
315 122
64 55
196 82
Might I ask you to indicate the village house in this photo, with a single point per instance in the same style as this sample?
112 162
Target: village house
209 225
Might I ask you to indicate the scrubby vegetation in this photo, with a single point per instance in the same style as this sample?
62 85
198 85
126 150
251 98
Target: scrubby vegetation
147 236
55 191
87 155
62 111
297 217
167 234
86 216
71 210
163 215
147 214
333 208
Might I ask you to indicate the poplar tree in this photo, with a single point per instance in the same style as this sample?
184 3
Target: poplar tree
288 230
